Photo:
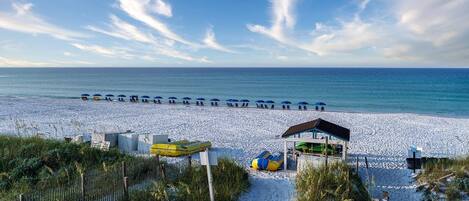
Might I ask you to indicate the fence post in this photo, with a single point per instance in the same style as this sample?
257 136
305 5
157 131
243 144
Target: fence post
82 186
357 165
163 172
126 188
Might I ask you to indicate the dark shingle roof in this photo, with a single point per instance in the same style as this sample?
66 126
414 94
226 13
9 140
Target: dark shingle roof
321 125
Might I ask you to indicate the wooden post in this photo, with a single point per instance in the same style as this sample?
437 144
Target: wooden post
126 188
163 172
326 149
357 165
210 179
189 161
82 186
344 151
285 156
124 169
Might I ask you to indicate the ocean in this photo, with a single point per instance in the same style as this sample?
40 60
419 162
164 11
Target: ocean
439 92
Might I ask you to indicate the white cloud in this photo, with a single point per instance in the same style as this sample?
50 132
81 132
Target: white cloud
104 51
211 42
283 17
139 10
163 8
123 30
68 54
24 20
347 37
9 62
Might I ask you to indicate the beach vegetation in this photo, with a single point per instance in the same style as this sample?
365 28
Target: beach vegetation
335 181
444 177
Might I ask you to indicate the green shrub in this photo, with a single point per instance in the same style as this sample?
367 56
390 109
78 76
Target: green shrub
334 182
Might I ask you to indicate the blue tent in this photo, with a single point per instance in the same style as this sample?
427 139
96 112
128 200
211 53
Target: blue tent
269 101
201 99
146 97
234 100
303 103
214 99
286 102
85 95
109 95
158 97
96 94
172 98
121 96
259 101
186 98
244 101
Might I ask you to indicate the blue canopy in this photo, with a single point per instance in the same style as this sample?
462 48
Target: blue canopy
244 101
269 101
158 97
121 96
201 99
186 98
286 102
214 99
229 100
109 95
172 97
303 103
234 100
145 96
259 101
133 96
85 95
320 103
97 95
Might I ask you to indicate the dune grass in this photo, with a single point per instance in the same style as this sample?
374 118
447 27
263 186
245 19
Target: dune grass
449 177
230 181
334 182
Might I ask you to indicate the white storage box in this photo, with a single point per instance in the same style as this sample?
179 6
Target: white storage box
106 137
146 140
127 142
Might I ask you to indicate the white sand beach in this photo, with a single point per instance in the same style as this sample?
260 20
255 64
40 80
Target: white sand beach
241 134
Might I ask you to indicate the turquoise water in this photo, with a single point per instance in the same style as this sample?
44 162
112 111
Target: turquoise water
424 91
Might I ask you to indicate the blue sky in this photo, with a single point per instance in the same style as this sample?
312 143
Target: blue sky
237 33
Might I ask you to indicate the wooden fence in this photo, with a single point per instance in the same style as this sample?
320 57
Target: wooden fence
112 184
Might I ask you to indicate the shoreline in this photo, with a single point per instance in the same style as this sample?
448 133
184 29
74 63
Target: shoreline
222 105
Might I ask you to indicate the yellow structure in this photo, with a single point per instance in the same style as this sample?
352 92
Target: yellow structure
179 148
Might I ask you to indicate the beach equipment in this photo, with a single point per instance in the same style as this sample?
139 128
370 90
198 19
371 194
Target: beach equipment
157 99
133 98
121 97
260 104
179 148
145 99
245 102
234 102
127 142
286 105
97 97
109 97
271 103
186 100
267 161
172 100
200 101
214 101
146 140
85 97
320 104
302 105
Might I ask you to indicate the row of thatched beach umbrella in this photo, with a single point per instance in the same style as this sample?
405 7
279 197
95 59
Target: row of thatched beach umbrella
268 104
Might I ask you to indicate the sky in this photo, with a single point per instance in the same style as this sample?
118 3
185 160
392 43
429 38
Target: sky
234 33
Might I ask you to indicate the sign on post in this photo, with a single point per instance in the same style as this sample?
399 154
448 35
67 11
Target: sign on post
208 158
